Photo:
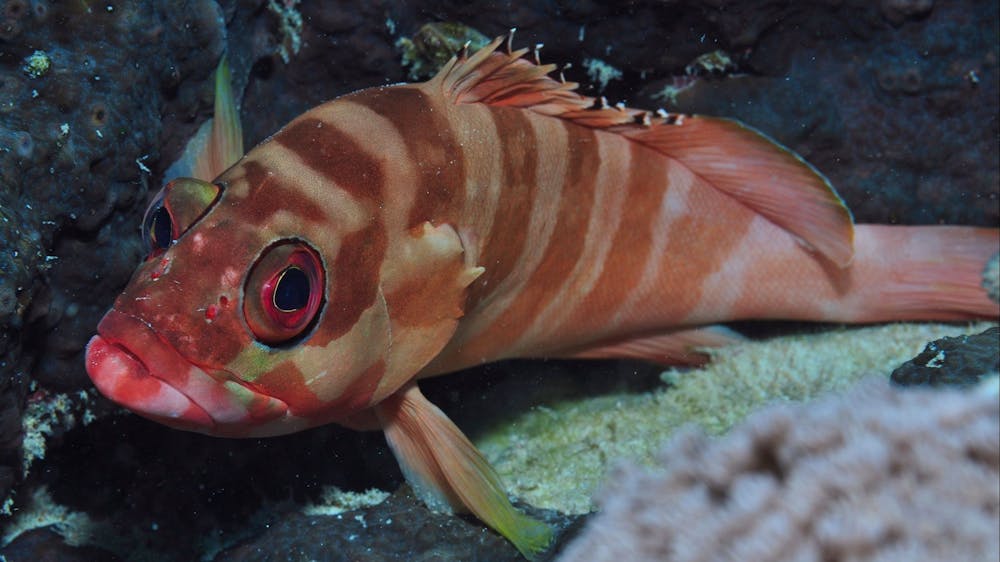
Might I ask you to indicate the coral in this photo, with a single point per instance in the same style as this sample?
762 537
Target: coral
959 361
41 511
335 501
555 455
433 44
600 72
878 474
290 26
50 414
37 64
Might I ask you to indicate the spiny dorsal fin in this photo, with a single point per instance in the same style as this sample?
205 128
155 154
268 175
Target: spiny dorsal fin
732 157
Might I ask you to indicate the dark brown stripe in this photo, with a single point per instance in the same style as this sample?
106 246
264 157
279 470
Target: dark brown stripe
331 153
566 244
518 187
437 157
633 239
270 194
699 244
354 282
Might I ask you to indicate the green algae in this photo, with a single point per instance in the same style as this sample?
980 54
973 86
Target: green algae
37 64
554 456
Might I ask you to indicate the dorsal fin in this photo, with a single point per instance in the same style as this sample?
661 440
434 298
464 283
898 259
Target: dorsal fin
732 157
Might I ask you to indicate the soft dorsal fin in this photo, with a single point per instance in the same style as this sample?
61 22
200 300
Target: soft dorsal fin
732 157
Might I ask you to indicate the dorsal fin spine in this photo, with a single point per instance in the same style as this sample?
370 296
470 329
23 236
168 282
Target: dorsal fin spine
768 178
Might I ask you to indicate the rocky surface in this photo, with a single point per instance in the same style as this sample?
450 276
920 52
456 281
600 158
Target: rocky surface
959 361
895 101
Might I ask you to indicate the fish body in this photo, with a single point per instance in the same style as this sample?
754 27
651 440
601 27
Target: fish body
412 230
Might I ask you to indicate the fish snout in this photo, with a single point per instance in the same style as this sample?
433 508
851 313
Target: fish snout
134 367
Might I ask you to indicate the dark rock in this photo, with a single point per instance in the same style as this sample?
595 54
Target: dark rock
960 361
400 528
45 545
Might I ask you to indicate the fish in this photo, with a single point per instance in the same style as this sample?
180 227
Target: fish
408 231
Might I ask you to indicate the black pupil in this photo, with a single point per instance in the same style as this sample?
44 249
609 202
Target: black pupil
160 229
292 291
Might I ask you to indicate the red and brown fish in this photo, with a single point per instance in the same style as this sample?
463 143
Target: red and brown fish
408 231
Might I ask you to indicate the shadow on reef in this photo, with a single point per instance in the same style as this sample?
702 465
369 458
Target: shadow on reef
153 493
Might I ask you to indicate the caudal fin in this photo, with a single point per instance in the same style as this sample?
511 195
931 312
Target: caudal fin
925 272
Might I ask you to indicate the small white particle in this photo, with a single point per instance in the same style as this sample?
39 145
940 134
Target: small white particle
937 361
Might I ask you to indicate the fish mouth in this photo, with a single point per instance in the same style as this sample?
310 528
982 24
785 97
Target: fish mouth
134 367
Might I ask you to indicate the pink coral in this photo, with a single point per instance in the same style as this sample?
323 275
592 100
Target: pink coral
879 474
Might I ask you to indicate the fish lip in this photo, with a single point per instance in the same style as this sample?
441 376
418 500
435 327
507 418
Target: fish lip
137 368
169 405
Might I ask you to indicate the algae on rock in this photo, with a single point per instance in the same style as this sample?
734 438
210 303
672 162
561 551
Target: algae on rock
556 455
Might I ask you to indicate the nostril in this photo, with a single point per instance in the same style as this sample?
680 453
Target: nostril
161 269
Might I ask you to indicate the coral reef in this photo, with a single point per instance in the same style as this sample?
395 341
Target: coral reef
557 453
433 44
896 101
877 474
82 88
959 361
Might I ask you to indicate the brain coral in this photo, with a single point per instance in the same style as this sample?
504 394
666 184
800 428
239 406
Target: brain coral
879 474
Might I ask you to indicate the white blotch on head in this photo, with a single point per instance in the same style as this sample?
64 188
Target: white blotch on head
230 277
198 241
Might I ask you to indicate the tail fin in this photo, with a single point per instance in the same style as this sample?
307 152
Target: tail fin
924 273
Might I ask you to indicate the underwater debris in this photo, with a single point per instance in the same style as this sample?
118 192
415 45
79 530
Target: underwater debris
433 44
675 85
717 62
601 73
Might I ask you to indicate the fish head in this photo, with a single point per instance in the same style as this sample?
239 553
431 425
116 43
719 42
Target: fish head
255 313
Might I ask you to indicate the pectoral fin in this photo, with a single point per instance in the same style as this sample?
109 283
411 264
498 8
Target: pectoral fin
449 473
425 281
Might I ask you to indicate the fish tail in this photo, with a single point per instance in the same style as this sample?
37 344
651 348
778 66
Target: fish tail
924 273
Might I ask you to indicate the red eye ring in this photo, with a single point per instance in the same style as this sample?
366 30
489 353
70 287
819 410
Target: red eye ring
284 293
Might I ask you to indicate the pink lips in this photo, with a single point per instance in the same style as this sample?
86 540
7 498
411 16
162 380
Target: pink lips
135 368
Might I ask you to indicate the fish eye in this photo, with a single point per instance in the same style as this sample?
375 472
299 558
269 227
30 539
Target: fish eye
160 229
291 290
174 210
284 293
157 226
